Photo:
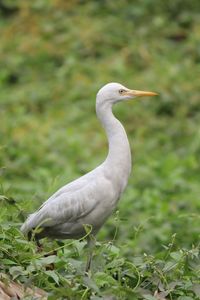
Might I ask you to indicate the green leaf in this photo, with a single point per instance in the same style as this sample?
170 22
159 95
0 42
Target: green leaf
103 279
53 275
7 261
149 297
185 298
170 265
113 250
90 283
16 271
176 255
116 263
196 289
47 260
79 246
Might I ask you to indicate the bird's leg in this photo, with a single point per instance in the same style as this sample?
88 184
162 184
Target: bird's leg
31 237
91 244
39 245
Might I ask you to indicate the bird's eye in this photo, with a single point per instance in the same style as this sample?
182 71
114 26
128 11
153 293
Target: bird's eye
121 91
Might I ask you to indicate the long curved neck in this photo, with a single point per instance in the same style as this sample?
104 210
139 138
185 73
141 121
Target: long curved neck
119 155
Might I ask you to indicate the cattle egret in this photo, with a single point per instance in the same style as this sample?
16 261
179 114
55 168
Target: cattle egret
91 198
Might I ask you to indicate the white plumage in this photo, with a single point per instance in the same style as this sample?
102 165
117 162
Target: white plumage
91 198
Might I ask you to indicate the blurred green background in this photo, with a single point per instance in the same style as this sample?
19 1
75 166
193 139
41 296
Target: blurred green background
55 55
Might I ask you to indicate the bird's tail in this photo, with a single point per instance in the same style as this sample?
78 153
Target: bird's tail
28 225
35 222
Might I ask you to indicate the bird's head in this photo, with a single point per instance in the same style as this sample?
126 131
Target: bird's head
114 92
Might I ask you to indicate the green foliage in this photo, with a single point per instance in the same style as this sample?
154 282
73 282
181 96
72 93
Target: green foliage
54 57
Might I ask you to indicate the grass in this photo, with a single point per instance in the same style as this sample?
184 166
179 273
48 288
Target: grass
54 57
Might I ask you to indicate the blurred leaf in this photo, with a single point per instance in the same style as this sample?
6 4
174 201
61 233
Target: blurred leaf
103 279
47 260
53 275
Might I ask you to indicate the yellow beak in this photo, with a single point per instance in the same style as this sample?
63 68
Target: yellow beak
136 93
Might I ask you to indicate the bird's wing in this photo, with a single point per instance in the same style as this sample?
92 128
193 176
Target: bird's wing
74 185
69 188
67 207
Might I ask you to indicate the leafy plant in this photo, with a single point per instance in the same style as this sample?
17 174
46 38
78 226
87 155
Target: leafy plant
54 57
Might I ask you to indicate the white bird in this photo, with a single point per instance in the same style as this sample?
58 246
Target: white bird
90 199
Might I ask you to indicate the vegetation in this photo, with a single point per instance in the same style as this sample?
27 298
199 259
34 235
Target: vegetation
54 57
